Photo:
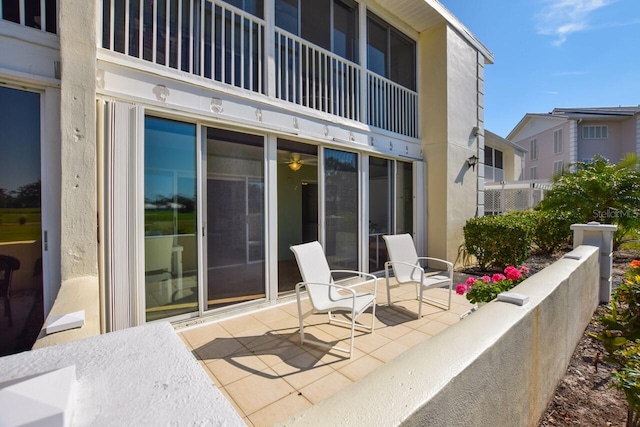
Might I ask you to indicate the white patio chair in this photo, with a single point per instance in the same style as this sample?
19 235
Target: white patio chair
407 269
326 296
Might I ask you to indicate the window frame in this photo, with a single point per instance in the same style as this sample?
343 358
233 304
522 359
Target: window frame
591 131
533 152
352 55
558 167
391 32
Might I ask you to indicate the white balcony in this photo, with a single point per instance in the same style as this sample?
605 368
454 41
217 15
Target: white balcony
216 41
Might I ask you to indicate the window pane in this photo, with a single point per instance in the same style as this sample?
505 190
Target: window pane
345 31
498 159
11 10
341 204
488 156
376 47
254 7
20 219
403 60
235 218
380 206
32 14
287 15
170 218
316 22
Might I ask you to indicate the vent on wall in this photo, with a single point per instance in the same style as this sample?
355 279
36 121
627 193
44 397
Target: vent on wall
57 69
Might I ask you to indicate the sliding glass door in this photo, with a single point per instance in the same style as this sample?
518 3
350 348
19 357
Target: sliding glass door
404 198
21 256
170 218
380 210
235 238
341 209
297 206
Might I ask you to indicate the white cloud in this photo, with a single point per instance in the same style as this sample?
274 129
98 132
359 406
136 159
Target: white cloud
561 18
569 73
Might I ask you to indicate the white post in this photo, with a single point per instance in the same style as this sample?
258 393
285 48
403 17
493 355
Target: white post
600 235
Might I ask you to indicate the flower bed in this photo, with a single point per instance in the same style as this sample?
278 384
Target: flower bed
487 288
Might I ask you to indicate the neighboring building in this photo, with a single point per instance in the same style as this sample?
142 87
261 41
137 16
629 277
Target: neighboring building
569 135
503 160
181 146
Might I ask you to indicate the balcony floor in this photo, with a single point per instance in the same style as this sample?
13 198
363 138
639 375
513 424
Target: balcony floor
256 360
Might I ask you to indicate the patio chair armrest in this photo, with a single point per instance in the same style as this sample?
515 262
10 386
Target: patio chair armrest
360 273
416 266
353 293
440 260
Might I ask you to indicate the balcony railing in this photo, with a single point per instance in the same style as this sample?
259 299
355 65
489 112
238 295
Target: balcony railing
207 39
217 41
391 107
316 78
39 14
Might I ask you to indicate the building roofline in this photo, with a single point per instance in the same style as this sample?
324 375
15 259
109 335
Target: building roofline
462 29
529 116
505 141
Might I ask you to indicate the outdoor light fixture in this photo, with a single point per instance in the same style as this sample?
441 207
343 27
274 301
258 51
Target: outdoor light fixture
472 162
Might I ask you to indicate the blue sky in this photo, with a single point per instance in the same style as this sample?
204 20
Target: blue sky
554 53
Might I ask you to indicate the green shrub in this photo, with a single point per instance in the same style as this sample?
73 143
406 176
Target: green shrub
600 191
553 229
621 339
500 240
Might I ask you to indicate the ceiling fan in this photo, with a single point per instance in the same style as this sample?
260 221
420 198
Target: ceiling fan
295 161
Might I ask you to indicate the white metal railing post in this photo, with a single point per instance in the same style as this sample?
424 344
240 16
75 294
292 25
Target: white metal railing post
270 43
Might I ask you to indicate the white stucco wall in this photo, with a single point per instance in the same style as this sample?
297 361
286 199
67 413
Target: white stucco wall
449 108
142 376
78 41
498 367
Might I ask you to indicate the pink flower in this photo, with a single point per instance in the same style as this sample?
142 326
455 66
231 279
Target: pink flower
524 269
470 281
513 274
498 277
486 279
461 288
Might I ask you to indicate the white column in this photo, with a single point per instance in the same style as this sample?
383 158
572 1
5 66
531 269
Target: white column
600 235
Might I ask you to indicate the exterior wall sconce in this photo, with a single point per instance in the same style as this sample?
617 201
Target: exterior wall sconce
472 162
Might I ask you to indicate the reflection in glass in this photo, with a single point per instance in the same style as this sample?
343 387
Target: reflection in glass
170 221
404 198
380 210
235 218
341 209
20 220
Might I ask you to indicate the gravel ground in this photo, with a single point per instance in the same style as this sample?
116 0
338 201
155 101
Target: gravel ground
584 397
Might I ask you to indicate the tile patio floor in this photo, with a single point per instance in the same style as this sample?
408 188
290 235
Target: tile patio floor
256 360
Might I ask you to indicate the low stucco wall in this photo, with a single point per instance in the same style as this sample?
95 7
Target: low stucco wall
76 294
499 366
